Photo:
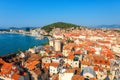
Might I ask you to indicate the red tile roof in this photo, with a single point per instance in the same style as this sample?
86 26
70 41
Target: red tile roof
85 63
6 68
107 52
66 64
32 64
77 77
55 64
46 64
101 60
96 68
15 76
92 79
78 52
71 56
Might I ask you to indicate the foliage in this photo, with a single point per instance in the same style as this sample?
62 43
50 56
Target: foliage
69 41
117 30
43 44
47 35
61 25
108 71
40 54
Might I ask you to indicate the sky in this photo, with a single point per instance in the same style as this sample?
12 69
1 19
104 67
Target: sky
37 13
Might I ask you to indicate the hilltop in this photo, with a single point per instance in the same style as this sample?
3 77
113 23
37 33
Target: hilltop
61 25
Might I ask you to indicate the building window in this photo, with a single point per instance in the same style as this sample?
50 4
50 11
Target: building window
100 61
87 77
76 63
105 62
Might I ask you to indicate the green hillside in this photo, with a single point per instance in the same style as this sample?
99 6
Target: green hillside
61 25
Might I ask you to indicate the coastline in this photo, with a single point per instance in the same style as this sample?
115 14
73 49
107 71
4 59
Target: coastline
14 53
27 34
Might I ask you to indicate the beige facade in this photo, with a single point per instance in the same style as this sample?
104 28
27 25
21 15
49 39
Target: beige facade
57 45
53 70
51 43
65 76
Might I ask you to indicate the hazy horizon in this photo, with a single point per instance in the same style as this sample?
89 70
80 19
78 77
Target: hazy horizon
91 26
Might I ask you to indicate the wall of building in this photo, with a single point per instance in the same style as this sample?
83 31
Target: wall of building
65 76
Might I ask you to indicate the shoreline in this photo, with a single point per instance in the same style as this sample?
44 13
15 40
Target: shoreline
15 53
37 37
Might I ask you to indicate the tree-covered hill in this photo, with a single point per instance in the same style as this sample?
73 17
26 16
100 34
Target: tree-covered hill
61 25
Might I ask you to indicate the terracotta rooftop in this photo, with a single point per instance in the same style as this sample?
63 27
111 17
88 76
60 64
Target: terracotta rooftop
102 41
92 79
77 52
46 64
101 60
70 70
77 77
66 64
32 64
54 64
6 68
55 77
85 63
33 57
107 52
96 68
15 76
71 56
